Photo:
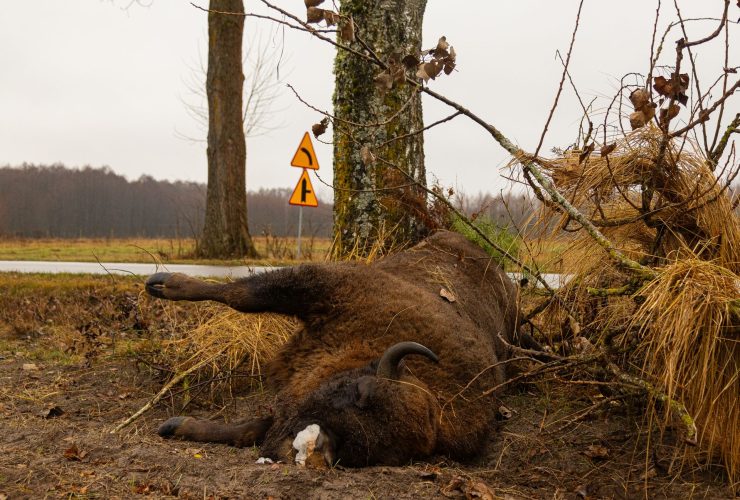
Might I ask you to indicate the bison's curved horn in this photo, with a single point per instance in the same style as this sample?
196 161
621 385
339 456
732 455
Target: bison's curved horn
388 364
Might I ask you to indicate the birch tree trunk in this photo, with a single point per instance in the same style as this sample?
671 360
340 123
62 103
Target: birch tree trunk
373 200
225 233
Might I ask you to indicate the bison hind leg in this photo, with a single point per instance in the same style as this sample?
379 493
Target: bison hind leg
190 429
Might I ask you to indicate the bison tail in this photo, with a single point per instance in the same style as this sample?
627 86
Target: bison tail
190 429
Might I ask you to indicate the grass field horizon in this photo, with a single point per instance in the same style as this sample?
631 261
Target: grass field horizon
272 250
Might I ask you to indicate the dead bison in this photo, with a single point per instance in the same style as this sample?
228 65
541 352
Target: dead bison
391 360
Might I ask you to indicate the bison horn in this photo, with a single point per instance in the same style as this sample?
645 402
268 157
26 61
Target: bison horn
388 364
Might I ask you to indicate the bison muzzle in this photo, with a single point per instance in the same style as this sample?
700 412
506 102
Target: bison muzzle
391 361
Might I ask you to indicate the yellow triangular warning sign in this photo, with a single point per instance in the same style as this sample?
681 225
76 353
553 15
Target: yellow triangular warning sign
303 194
305 157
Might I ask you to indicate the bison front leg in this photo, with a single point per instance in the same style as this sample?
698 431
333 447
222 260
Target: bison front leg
302 291
177 286
190 429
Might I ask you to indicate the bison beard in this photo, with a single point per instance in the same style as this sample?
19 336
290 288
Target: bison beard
388 368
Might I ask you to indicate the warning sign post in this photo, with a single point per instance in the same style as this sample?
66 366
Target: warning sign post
303 194
305 156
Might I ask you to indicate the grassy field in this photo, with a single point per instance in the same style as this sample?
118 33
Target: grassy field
173 251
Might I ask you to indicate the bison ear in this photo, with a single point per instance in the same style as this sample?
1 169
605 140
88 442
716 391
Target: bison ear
365 390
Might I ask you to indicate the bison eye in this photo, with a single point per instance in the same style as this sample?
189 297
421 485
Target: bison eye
365 390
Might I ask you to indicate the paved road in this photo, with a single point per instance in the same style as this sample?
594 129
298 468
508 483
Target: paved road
127 268
554 280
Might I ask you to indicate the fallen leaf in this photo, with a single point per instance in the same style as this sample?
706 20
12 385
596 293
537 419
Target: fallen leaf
29 367
479 489
649 474
446 294
319 128
504 412
51 412
596 451
454 488
74 454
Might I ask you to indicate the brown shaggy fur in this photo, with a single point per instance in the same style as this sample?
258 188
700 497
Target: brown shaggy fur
326 374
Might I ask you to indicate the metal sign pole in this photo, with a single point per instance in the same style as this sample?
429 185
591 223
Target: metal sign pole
300 223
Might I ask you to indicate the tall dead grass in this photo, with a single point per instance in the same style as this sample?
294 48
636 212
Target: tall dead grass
683 327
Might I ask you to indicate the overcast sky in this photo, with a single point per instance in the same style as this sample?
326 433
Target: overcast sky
85 82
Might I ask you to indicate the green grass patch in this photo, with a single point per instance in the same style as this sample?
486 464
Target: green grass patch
495 233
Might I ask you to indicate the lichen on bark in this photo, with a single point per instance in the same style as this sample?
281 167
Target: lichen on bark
374 201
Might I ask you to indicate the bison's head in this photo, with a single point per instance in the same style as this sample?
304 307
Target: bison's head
380 413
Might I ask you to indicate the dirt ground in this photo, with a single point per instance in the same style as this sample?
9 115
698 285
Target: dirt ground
69 372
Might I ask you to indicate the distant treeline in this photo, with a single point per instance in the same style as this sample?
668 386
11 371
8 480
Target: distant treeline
56 201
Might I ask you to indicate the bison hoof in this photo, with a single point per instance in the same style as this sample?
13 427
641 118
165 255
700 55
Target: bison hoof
156 283
170 427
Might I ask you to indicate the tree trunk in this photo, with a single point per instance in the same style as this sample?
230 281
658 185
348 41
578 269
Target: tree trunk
225 233
373 202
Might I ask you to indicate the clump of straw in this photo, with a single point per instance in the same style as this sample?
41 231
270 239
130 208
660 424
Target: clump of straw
683 328
230 345
689 339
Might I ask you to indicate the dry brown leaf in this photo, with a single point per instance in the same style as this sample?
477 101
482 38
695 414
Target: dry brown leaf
347 30
314 15
674 88
366 155
479 489
410 61
383 81
29 367
607 148
52 412
504 412
74 454
637 120
331 17
319 128
440 50
313 3
421 72
586 152
639 98
596 451
446 294
433 68
669 113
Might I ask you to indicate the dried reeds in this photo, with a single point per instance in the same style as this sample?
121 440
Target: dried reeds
689 340
670 211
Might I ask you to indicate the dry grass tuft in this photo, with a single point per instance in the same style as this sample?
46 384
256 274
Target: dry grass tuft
682 328
690 343
232 347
